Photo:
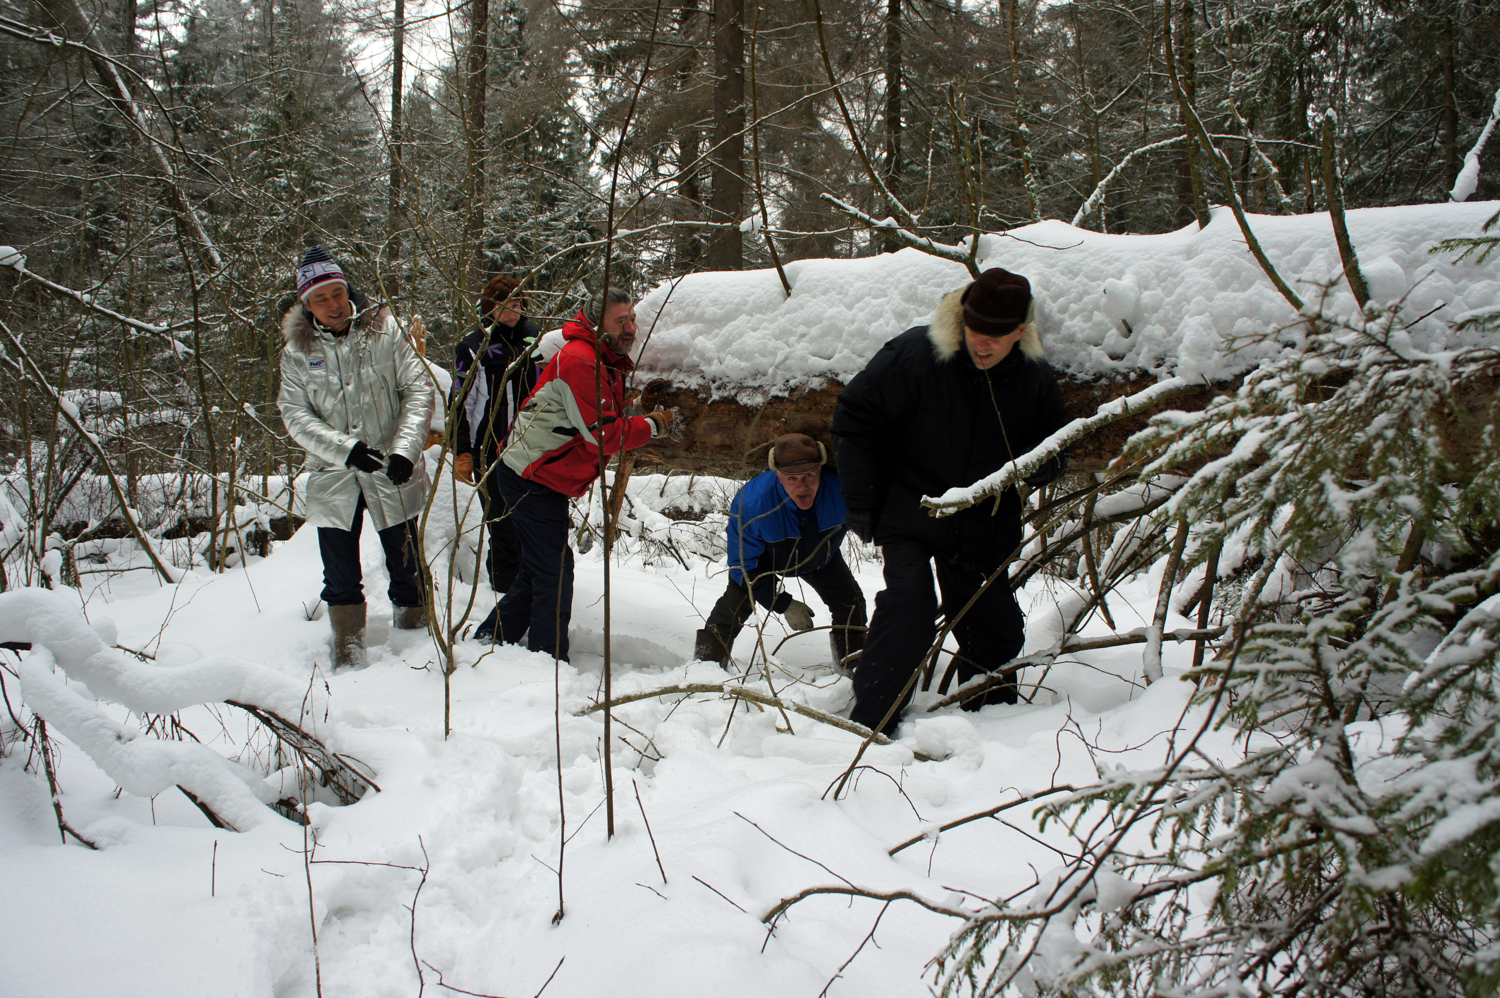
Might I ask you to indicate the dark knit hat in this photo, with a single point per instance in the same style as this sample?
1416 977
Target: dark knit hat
502 289
997 303
796 454
316 269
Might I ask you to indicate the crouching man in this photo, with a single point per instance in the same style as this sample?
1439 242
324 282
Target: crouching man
938 407
787 521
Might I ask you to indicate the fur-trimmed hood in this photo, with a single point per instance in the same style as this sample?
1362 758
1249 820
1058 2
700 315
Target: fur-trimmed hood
946 331
297 328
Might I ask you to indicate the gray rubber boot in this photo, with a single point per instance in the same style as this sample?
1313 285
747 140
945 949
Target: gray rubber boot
348 623
708 648
410 618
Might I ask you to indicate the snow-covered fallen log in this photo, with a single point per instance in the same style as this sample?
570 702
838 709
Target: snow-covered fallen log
145 766
44 617
61 638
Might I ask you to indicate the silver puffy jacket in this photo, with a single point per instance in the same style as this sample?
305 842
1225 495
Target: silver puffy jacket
369 385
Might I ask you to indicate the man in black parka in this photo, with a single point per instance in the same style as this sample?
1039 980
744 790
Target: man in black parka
938 407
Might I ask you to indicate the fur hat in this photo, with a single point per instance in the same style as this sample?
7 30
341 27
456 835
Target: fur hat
996 304
316 269
796 454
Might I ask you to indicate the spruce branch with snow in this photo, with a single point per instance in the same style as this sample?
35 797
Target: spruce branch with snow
1349 493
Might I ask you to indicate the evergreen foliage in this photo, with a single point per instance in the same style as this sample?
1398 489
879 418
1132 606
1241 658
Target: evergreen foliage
1350 498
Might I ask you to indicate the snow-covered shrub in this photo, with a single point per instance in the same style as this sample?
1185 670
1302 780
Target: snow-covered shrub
1346 850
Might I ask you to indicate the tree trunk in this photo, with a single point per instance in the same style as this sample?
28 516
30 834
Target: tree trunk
393 207
478 82
727 250
892 106
1023 128
688 243
1451 156
1192 180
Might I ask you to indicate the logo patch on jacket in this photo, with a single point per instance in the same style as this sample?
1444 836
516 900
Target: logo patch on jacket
317 362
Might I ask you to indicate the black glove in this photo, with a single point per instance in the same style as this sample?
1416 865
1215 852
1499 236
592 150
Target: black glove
398 469
861 523
1049 471
364 458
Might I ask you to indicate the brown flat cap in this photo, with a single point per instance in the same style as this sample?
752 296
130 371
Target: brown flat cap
796 454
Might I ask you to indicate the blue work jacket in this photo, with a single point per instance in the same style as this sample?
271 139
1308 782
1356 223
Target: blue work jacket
766 535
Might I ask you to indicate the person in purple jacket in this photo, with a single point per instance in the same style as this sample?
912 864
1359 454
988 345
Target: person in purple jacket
788 520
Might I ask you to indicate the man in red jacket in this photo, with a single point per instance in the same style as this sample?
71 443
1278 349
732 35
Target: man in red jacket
576 410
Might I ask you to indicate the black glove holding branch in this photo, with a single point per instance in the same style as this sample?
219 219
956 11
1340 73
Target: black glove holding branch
398 469
365 458
861 523
1053 469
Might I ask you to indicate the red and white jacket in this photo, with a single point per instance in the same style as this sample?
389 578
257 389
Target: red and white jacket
572 413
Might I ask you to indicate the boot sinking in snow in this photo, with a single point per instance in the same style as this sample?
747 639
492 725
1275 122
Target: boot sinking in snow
410 618
708 648
348 623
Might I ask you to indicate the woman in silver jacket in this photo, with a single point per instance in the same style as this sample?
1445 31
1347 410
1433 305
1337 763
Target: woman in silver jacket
357 398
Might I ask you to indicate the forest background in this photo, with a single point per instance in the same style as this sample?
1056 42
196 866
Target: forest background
166 161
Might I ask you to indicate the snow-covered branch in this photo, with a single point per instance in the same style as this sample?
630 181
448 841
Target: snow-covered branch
1091 205
906 237
1468 178
296 713
147 766
11 257
44 617
1032 461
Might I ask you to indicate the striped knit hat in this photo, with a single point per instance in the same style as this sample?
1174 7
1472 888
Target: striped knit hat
317 268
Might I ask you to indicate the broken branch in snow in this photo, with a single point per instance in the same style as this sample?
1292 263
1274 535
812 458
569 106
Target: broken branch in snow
933 833
336 772
784 904
741 693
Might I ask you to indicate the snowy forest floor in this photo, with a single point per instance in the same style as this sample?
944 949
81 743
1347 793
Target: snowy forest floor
450 870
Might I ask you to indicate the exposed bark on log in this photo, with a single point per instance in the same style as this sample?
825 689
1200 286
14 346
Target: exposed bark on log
728 437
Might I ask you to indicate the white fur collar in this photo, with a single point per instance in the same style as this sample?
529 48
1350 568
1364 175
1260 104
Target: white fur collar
946 331
299 332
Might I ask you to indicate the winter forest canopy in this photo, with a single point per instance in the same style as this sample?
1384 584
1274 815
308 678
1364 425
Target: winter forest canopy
1257 750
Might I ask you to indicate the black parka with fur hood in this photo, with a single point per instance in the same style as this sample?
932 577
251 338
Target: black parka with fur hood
921 419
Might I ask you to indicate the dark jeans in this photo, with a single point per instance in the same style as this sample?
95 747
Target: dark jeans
903 629
834 583
539 603
342 578
503 559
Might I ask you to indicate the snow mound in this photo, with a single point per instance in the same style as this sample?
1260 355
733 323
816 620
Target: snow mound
1191 303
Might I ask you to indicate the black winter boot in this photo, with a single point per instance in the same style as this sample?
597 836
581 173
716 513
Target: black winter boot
847 645
708 648
348 623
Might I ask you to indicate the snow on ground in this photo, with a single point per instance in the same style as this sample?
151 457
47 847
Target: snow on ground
171 906
1191 303
450 870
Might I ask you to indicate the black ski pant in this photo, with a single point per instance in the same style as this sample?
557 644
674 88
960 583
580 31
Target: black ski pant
833 583
904 627
342 577
539 603
504 558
